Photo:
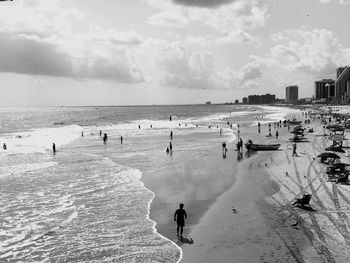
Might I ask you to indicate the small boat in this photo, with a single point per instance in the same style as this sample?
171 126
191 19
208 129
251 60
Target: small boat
262 147
294 122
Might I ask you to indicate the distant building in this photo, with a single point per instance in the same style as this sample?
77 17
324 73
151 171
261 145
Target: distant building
324 89
342 84
267 98
245 100
236 101
208 102
254 99
292 93
261 99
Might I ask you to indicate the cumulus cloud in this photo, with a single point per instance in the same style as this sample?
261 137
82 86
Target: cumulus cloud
37 38
338 1
316 52
236 15
187 69
203 3
238 36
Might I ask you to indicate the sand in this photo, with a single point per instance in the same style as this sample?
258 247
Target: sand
266 227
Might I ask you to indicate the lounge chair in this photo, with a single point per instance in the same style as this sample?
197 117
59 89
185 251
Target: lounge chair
343 179
304 201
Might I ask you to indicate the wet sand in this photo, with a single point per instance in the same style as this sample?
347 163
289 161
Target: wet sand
266 227
196 183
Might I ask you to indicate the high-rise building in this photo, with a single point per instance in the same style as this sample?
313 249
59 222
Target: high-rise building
292 93
254 99
342 84
267 98
324 89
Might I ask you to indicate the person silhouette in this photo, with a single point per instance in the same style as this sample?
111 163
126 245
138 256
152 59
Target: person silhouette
54 148
180 216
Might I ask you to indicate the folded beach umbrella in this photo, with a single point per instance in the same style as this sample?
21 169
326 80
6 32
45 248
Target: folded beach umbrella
335 149
329 155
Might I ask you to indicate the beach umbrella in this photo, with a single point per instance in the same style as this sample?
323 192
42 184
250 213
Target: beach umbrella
335 149
329 155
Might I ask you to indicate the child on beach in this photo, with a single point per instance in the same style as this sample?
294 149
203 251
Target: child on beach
180 216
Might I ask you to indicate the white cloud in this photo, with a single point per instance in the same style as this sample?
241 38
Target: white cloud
182 68
316 52
339 1
36 37
238 36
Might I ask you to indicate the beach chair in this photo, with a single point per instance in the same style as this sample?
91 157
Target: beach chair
304 201
343 179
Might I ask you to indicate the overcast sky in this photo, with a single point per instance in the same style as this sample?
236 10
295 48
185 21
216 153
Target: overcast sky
121 52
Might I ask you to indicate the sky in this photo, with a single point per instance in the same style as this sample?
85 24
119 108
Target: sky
142 52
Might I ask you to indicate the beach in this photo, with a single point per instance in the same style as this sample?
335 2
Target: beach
119 198
112 200
266 227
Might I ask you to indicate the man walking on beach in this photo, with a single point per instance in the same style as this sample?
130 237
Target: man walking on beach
180 216
294 150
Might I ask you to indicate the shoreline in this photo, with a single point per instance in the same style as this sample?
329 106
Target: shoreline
176 183
266 227
190 183
223 235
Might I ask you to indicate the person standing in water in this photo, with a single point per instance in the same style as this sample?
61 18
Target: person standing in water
276 134
171 135
100 133
180 216
54 148
121 139
4 146
170 146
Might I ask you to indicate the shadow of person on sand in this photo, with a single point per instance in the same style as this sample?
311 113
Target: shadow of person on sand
250 153
186 240
307 208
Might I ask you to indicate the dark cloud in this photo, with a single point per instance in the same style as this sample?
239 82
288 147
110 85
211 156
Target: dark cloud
23 55
203 3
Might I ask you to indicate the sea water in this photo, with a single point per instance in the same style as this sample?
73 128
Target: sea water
86 203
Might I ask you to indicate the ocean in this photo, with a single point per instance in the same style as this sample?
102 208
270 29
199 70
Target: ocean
87 202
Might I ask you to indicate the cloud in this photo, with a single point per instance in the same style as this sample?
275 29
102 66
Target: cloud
203 3
187 69
239 14
339 1
37 38
316 52
238 36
